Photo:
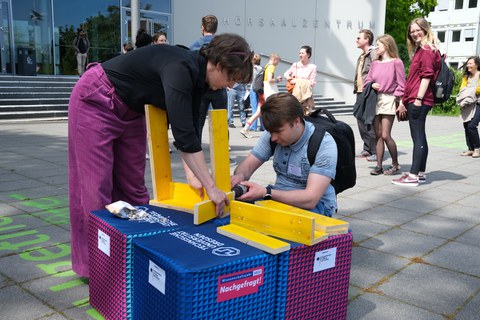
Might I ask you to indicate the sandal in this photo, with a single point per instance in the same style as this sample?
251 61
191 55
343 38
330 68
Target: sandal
392 170
375 172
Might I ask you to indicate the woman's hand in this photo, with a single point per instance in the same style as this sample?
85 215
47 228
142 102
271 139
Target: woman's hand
375 86
220 199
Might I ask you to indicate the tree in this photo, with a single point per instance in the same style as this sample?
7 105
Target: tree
398 15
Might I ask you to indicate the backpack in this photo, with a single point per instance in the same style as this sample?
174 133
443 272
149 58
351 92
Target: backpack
342 133
257 83
443 85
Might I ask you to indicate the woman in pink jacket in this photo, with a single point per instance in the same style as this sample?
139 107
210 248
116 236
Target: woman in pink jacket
388 77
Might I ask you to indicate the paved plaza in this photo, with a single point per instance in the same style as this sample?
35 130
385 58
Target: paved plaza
416 250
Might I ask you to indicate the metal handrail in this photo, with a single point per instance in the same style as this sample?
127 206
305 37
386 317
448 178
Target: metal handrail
318 72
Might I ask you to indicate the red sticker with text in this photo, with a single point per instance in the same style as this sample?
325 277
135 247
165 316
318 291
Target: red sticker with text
239 284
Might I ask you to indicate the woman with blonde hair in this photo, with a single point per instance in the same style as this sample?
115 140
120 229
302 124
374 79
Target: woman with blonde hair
387 75
418 96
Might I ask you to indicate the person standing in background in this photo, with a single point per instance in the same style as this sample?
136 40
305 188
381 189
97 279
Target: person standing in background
387 75
369 54
423 49
81 46
269 88
142 39
160 38
236 93
471 113
303 75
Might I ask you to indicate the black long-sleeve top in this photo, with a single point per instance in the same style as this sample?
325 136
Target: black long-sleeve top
169 77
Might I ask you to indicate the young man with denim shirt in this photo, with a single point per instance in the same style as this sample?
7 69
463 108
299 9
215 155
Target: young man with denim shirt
297 183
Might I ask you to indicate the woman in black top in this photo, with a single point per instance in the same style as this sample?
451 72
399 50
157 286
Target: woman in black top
107 130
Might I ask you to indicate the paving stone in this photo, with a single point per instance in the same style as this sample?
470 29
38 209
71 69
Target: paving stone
370 266
363 229
432 288
374 306
418 205
388 215
471 310
455 211
438 226
404 243
471 237
14 297
457 256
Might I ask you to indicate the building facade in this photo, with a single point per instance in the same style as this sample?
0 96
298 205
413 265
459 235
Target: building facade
43 30
456 23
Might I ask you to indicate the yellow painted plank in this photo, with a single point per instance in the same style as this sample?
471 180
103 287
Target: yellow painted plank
205 210
219 155
157 137
322 223
254 239
277 223
183 198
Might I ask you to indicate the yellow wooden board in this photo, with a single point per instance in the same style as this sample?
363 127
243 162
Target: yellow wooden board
219 155
157 137
254 239
277 223
183 198
205 210
322 223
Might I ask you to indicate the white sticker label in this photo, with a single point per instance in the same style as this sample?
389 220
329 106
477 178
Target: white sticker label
156 276
104 242
324 259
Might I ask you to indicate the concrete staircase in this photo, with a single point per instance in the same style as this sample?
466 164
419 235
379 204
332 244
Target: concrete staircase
25 98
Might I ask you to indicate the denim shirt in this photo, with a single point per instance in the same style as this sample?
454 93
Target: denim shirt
292 167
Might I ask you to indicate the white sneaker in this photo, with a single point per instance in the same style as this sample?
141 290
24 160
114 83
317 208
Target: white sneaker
246 134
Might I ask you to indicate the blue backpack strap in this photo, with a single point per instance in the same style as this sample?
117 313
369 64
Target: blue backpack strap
314 143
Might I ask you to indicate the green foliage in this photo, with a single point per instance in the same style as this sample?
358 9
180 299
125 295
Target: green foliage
399 13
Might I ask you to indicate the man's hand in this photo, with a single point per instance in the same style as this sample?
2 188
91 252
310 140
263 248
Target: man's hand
255 191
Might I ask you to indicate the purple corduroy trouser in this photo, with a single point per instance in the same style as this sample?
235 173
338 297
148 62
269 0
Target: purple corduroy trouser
106 156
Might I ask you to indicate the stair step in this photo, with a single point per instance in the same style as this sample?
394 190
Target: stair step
33 114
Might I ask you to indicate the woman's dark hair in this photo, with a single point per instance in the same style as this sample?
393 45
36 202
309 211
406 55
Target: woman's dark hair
142 39
279 109
308 50
476 60
233 54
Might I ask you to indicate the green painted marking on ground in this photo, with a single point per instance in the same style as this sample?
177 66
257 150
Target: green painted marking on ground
95 314
67 285
452 141
81 302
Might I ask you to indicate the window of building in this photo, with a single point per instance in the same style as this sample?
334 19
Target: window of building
468 34
454 65
442 5
441 36
456 36
472 3
458 4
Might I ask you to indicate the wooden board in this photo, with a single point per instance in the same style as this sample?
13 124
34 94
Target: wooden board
219 155
254 239
277 223
323 223
205 210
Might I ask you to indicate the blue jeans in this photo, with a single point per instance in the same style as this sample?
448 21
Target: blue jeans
236 95
253 105
417 117
471 130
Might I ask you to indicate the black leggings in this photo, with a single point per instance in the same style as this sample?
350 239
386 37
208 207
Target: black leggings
417 117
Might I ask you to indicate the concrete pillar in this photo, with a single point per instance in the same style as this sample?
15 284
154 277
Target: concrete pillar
135 18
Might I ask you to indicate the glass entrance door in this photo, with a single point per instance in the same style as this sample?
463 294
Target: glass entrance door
151 21
5 51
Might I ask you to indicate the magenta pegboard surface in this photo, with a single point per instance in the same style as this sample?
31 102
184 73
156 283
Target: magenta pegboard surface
322 294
